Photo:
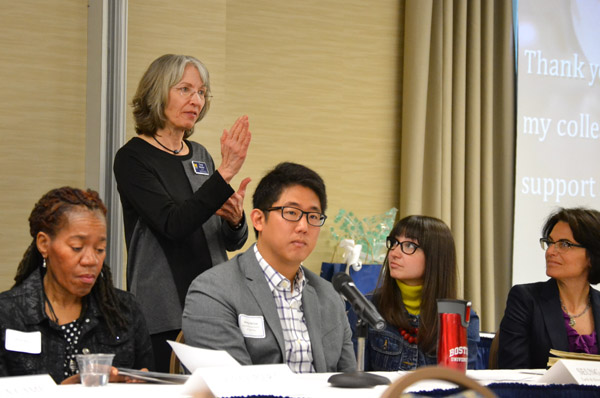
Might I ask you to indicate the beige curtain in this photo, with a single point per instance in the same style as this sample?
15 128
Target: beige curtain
457 135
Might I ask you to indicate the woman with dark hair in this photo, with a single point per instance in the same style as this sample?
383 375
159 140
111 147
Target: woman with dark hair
419 268
564 312
181 215
63 302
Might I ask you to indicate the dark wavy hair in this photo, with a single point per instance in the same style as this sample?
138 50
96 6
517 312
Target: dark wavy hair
439 280
152 93
585 225
49 215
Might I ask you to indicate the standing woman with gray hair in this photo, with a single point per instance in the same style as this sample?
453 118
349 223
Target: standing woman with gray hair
180 213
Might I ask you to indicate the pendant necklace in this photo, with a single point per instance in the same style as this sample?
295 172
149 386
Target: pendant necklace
175 151
572 317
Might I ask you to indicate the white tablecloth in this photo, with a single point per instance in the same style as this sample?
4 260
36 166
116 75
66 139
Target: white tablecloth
298 386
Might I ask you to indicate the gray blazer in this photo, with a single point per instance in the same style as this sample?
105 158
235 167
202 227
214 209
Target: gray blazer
218 297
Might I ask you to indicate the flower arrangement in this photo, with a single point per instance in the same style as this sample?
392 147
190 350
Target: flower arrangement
370 232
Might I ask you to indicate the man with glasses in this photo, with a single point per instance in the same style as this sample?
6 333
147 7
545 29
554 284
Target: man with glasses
263 307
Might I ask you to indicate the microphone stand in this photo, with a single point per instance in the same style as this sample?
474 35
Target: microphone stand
361 332
359 378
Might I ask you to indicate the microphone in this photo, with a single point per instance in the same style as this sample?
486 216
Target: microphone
364 309
367 313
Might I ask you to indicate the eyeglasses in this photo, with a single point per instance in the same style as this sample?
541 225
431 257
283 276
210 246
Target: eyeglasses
187 92
407 246
314 218
560 246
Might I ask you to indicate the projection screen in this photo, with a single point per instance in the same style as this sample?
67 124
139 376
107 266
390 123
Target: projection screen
558 120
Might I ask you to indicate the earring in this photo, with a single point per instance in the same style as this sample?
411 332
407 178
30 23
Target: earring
44 263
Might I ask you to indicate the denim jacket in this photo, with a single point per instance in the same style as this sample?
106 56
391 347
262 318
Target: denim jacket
22 310
387 350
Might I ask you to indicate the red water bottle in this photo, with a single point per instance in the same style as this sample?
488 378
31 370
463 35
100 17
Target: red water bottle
452 350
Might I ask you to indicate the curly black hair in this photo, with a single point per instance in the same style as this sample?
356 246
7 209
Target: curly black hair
49 216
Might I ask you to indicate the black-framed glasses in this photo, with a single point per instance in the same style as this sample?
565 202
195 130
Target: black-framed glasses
407 246
561 245
289 213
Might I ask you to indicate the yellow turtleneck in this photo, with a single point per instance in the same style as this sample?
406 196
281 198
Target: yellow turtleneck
411 296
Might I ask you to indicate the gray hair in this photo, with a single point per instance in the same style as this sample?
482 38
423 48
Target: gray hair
152 93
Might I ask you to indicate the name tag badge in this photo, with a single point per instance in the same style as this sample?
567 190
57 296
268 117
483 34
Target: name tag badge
200 167
252 326
28 342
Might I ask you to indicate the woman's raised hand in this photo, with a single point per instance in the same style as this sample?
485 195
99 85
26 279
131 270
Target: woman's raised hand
234 148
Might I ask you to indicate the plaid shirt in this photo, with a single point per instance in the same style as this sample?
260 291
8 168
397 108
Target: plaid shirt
298 350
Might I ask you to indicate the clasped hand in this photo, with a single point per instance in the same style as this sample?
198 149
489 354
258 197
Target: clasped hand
233 210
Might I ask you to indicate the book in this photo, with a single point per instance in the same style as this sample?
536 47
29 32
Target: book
555 355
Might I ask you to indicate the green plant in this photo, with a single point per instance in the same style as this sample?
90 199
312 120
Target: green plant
370 232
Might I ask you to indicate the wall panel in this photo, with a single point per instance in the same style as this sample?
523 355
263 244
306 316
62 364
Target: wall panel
42 112
317 79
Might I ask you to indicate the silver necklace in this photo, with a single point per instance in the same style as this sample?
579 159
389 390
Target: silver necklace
572 317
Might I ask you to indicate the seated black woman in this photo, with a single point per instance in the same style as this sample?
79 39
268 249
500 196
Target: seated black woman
63 302
563 312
